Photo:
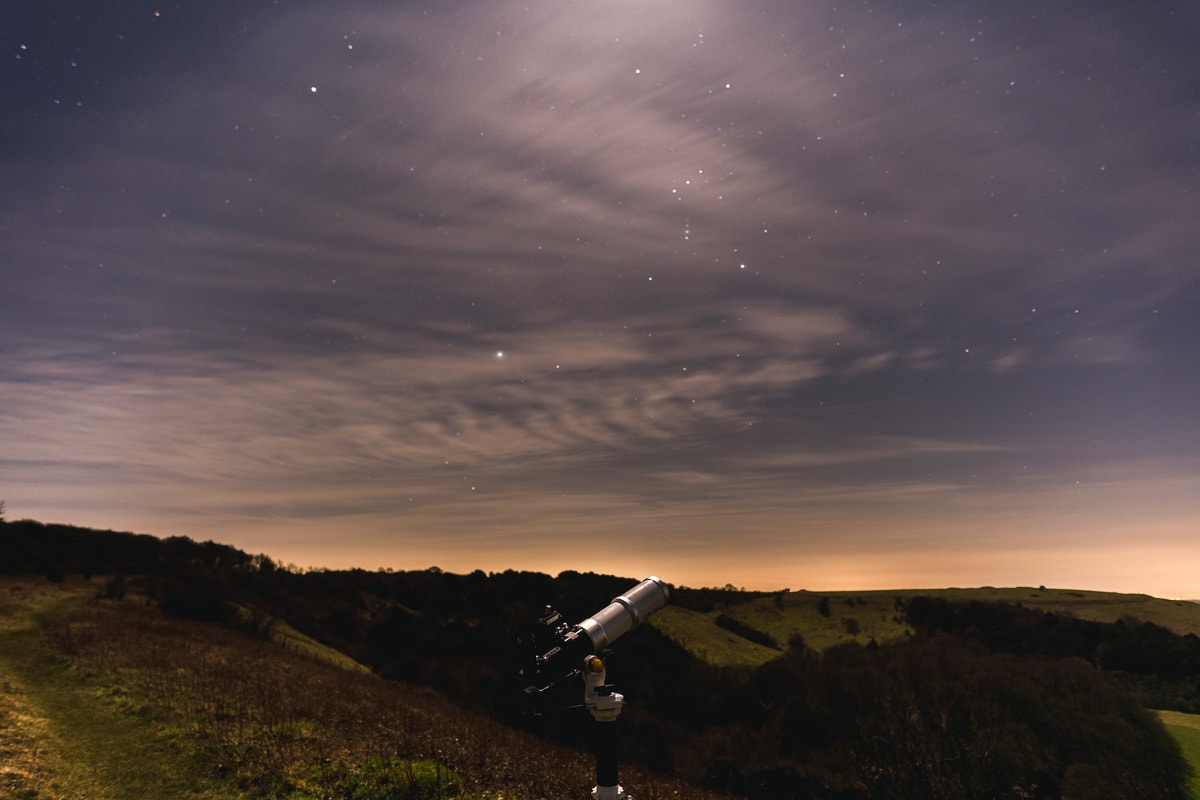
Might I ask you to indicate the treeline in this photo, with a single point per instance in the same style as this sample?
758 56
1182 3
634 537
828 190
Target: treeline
1162 665
942 716
932 718
28 547
985 701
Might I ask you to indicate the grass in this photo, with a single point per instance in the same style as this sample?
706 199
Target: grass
61 736
823 620
107 700
1179 616
28 749
378 777
820 620
111 699
701 636
1185 728
826 619
276 630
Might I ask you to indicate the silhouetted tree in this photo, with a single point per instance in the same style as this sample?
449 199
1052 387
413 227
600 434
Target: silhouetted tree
986 701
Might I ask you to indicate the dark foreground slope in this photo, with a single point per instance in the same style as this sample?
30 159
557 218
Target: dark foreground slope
104 698
944 713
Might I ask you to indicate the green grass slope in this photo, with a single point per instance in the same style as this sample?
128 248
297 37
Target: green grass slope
824 619
105 699
62 736
1185 728
700 635
1179 616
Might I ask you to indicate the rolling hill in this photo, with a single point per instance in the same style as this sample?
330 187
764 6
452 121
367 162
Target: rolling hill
240 679
108 699
821 620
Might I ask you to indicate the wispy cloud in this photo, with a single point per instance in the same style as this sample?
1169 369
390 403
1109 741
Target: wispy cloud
470 277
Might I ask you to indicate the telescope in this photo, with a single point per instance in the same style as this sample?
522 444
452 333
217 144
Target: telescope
559 649
562 651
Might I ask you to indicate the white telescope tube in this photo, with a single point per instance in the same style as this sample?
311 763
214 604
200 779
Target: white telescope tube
625 612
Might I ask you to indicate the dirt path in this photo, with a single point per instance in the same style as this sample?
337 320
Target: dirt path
30 751
61 737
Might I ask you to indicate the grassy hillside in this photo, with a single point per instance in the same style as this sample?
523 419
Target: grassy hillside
1178 616
699 634
824 619
104 699
199 671
1185 728
61 735
279 632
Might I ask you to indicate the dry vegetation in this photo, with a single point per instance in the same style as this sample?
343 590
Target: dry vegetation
270 723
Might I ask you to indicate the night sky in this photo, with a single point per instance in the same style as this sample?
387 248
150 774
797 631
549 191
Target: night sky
822 295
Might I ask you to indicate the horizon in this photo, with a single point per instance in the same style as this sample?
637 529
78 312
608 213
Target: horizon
552 571
836 296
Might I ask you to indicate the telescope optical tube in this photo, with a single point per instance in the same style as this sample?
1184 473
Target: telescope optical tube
570 645
625 613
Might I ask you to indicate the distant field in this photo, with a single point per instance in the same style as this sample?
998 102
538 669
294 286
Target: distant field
825 619
819 620
1180 616
701 636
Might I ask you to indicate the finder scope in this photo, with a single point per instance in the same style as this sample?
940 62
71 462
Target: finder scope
559 648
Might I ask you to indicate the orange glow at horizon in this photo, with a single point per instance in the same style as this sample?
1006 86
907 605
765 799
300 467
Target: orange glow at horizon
1101 554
